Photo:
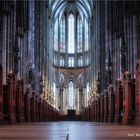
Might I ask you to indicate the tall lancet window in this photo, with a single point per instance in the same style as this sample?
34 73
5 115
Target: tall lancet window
71 34
86 36
56 35
62 34
71 95
79 34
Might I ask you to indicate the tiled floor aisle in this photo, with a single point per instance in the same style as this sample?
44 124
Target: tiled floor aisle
69 131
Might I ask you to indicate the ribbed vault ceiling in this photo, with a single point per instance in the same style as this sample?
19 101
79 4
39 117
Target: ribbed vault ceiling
58 6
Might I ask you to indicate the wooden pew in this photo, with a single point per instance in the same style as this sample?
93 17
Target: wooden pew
127 98
1 96
137 96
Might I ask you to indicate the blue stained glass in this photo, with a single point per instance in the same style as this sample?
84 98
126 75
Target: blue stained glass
71 34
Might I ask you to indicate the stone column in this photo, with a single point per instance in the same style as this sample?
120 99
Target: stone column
43 110
27 106
40 110
93 118
86 114
80 98
92 112
106 107
37 111
47 112
89 113
61 100
98 109
127 100
20 101
11 98
119 102
101 108
95 110
111 104
33 107
4 45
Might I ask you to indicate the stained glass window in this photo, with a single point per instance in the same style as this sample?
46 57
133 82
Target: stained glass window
86 35
62 34
79 35
71 34
80 61
76 31
56 35
71 61
62 61
71 95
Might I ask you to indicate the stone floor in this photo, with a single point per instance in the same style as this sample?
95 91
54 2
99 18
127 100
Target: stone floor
69 131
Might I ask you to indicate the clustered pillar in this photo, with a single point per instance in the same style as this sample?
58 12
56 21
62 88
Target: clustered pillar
20 101
111 104
106 107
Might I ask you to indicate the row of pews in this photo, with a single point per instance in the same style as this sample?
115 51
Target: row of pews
18 107
118 104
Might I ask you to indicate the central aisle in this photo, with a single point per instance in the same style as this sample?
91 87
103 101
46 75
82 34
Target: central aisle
68 131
